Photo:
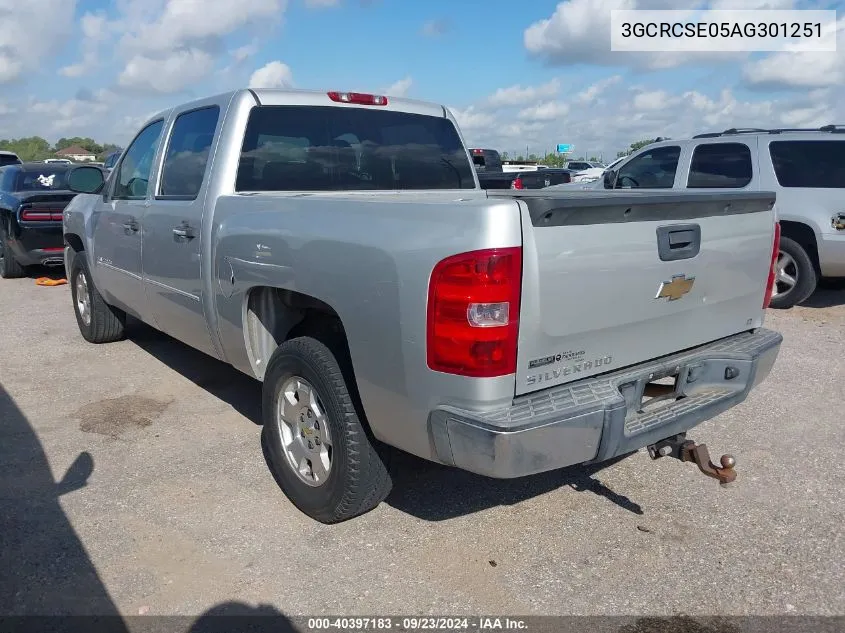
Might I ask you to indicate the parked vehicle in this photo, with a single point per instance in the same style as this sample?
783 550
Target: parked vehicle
537 179
9 158
59 161
32 199
595 173
804 167
583 165
486 160
337 247
111 160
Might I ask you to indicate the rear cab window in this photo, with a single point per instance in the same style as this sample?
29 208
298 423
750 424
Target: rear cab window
9 159
329 148
720 166
811 164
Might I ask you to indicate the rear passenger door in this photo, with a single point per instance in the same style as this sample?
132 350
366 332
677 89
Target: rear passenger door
172 249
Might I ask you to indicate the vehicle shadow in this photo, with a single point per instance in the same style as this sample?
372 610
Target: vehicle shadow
44 568
218 378
238 616
434 492
830 293
420 488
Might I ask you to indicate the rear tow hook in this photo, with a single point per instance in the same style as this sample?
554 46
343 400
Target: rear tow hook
688 451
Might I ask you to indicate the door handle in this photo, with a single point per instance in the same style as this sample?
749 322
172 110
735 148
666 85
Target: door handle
678 241
184 231
131 226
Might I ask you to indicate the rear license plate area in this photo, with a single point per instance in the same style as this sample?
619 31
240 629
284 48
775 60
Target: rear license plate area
652 391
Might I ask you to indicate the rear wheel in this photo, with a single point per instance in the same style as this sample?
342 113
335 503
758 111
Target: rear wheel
314 442
795 275
9 266
98 321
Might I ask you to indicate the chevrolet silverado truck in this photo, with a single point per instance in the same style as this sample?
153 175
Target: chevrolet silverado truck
337 247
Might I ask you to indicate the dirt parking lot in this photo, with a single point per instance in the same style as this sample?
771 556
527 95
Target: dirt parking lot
180 513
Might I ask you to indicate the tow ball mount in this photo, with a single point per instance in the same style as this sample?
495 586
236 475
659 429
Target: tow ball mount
688 451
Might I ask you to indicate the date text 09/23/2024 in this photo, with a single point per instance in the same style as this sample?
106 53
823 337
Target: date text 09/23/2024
412 624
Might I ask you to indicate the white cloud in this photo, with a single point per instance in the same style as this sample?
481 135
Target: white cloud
174 73
800 70
518 95
627 114
272 75
593 92
31 32
180 24
472 119
400 88
152 34
578 32
546 111
654 100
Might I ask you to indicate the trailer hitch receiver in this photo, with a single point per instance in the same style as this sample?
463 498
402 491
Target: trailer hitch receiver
688 451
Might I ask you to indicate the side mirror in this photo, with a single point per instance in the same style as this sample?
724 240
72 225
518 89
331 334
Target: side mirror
609 179
86 179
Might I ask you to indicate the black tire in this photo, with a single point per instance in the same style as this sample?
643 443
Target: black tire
9 266
357 479
802 269
107 323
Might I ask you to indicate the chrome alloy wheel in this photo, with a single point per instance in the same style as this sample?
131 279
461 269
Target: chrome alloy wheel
304 430
83 298
786 274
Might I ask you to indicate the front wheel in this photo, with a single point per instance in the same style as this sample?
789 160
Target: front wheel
314 442
98 321
795 275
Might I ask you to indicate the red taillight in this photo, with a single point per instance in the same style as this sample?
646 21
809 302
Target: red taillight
517 183
770 284
41 215
478 151
358 98
473 313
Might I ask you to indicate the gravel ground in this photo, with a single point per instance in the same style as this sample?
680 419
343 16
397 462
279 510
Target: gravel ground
180 513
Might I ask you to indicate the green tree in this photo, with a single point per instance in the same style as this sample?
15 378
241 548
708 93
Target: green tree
86 143
29 148
504 155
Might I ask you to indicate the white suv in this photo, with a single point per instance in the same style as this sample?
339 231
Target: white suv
805 168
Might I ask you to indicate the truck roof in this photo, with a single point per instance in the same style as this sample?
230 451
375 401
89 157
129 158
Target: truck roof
290 96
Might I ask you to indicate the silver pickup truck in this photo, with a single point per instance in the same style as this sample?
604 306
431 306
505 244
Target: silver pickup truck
337 247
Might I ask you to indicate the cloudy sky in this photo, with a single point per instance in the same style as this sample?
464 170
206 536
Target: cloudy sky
531 74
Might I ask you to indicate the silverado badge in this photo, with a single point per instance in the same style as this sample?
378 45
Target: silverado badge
675 289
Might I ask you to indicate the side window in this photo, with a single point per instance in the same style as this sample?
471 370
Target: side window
187 153
133 176
720 166
814 164
653 169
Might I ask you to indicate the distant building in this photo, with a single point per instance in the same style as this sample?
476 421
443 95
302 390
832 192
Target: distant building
76 153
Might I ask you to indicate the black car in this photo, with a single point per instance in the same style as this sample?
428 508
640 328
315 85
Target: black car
32 200
537 179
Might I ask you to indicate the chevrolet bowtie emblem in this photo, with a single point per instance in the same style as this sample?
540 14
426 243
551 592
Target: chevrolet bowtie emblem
675 289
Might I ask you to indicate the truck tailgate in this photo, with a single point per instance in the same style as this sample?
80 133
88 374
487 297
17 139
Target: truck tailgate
613 279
